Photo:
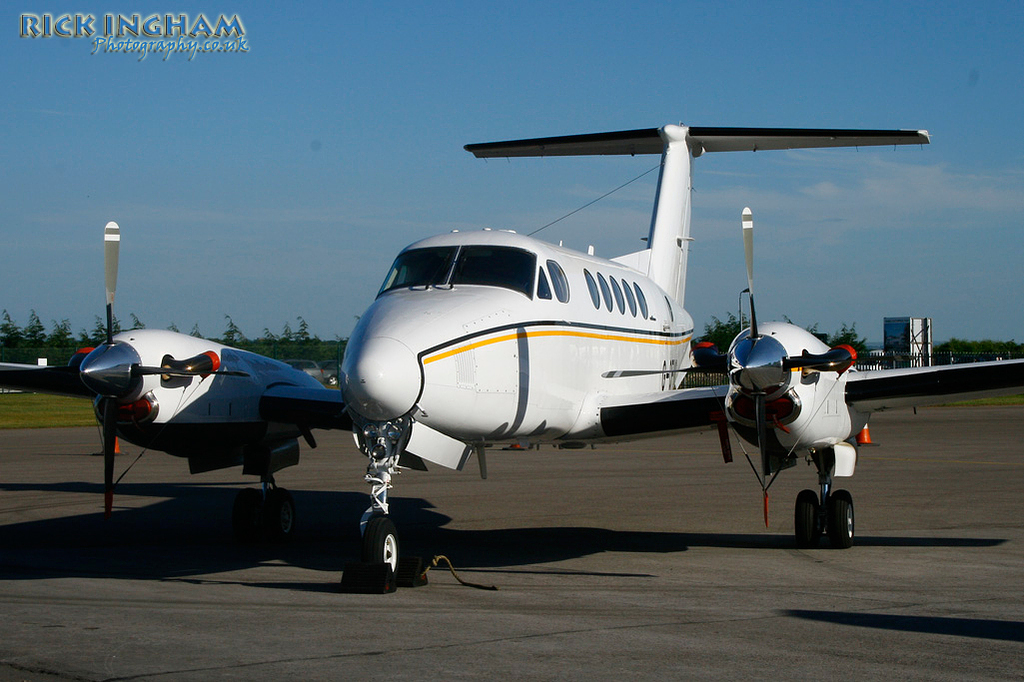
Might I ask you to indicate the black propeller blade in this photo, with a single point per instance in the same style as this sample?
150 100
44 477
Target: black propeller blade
111 253
748 255
109 444
838 359
111 250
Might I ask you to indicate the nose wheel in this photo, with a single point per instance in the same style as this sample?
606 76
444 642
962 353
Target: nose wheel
380 542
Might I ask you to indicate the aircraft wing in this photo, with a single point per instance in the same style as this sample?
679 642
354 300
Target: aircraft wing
312 408
655 413
882 389
60 380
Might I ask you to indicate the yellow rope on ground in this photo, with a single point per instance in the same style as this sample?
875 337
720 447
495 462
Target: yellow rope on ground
438 558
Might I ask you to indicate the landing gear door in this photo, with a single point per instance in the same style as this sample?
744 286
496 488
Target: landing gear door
433 446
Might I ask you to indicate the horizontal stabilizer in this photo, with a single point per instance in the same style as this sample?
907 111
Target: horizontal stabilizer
701 139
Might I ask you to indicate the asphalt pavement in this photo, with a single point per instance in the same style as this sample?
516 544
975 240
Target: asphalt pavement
647 560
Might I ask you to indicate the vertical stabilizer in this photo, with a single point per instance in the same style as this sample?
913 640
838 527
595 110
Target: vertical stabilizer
669 238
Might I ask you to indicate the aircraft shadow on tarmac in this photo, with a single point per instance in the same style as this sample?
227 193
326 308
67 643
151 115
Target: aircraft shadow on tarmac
982 628
188 533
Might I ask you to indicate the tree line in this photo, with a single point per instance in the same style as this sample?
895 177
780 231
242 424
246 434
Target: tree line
722 332
298 340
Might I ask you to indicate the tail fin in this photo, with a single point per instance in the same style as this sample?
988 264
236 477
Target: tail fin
669 237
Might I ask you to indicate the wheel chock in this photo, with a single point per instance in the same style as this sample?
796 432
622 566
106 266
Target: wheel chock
368 578
410 572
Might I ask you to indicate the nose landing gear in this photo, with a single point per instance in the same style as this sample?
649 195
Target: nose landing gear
383 444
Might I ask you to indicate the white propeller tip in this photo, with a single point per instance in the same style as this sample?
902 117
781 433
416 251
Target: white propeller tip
748 218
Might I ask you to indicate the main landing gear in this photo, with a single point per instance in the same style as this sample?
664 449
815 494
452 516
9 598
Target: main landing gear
264 514
833 516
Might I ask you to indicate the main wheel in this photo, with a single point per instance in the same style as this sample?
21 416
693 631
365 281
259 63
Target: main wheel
840 519
380 542
808 531
279 515
246 515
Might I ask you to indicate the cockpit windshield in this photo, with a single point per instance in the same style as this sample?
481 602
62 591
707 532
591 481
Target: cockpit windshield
498 266
420 268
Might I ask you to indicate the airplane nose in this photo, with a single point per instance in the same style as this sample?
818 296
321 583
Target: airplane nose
381 378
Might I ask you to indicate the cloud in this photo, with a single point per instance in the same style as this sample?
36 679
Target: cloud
870 193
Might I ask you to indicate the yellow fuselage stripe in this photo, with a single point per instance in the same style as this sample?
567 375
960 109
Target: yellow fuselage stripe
537 334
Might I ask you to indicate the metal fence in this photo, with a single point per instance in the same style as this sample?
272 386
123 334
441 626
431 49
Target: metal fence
278 350
870 363
901 361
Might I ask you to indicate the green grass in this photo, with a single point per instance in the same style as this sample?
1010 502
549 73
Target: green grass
1001 400
38 411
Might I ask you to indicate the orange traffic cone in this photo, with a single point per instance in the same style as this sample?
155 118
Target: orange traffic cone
117 446
864 437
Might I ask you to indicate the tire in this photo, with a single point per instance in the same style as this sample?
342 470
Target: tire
246 515
840 519
380 542
279 515
808 532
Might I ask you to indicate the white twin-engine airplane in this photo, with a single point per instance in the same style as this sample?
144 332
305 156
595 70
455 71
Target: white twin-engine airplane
487 338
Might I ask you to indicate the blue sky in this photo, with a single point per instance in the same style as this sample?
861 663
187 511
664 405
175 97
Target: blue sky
281 182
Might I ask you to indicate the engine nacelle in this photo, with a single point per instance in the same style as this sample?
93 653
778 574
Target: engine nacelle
806 408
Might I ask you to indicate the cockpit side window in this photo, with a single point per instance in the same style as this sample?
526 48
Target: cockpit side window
499 266
419 267
558 281
543 290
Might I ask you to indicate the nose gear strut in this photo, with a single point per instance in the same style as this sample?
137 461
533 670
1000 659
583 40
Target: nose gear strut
383 444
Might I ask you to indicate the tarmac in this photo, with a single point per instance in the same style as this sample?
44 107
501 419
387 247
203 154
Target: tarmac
647 560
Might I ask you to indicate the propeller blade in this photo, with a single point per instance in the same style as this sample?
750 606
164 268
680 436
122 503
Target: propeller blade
141 371
748 254
761 418
621 373
109 436
111 249
707 358
838 359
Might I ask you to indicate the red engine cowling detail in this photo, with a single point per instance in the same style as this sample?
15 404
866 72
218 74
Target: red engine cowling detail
780 411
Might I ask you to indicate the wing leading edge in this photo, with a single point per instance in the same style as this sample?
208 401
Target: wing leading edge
61 380
883 389
654 414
